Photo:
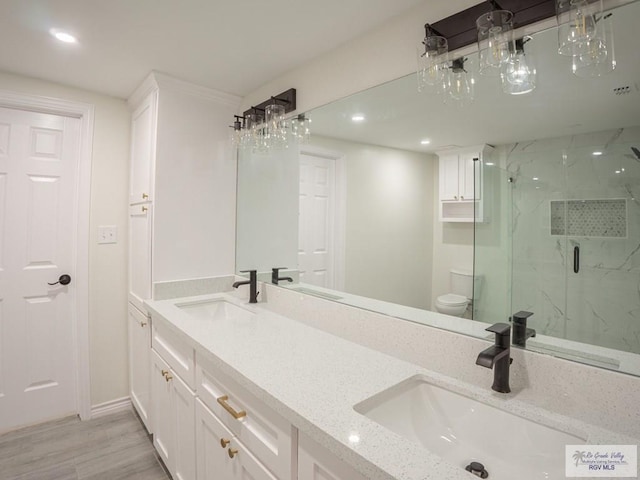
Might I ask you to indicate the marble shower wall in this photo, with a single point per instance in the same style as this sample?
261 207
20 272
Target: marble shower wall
601 303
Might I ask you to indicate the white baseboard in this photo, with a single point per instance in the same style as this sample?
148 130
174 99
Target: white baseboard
111 406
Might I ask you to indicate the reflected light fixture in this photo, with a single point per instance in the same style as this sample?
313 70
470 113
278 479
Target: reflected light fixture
459 85
577 21
518 75
358 117
495 39
595 56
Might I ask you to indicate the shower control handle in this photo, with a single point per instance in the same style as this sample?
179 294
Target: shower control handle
576 259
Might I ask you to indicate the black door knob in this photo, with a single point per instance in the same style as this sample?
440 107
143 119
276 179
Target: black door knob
63 280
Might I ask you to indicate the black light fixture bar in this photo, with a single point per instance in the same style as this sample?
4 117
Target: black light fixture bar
460 29
288 99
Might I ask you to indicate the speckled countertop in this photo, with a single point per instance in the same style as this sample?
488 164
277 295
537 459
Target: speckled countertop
314 379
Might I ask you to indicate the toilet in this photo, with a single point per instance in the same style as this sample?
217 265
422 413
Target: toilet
456 302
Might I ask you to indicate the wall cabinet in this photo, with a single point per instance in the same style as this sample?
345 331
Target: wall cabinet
460 184
140 364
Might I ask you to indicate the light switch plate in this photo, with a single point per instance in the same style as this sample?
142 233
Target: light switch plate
107 234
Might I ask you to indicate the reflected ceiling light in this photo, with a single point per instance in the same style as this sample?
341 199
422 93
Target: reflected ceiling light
354 438
489 164
596 154
357 118
518 75
425 142
617 171
535 179
63 36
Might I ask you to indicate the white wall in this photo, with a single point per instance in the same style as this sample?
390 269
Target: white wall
195 184
385 53
389 221
107 263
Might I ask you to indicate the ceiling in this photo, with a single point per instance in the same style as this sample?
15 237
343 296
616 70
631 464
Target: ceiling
398 116
232 46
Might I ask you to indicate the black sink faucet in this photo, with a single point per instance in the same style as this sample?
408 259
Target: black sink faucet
275 276
520 330
498 357
253 285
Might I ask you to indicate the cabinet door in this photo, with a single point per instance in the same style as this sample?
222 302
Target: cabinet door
139 254
143 143
140 364
217 462
467 164
448 177
163 434
183 410
317 463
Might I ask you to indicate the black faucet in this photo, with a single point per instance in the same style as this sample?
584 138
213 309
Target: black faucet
498 357
275 276
253 285
520 330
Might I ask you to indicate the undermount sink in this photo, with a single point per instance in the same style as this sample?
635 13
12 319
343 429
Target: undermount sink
463 430
216 309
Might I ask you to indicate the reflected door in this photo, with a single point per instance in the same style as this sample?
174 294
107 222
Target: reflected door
38 179
316 242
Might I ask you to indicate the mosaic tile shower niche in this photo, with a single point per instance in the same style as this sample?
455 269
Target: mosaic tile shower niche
589 218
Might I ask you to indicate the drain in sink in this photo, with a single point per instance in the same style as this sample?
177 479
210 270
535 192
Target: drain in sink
477 469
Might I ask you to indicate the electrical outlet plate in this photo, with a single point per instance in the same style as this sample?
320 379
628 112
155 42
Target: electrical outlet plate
107 234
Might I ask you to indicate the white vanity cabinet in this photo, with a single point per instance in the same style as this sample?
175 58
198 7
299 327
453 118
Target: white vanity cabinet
317 463
459 188
172 387
257 429
140 364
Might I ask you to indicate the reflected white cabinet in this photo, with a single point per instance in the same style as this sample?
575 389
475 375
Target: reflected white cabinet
173 420
220 455
460 184
140 254
140 364
317 463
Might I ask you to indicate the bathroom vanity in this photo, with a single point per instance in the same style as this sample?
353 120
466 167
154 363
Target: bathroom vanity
239 388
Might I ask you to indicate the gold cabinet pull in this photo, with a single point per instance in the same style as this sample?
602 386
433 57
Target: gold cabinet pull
461 197
143 324
144 209
232 452
164 373
168 377
145 196
455 197
237 415
224 442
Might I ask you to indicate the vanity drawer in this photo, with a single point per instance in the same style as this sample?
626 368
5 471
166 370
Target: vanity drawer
271 438
176 352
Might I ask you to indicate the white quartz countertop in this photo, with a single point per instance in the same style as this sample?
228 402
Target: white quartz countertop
314 379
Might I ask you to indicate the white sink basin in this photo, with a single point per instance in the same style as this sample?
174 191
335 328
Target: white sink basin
463 430
216 309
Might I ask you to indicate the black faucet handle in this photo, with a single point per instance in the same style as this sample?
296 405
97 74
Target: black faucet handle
248 271
521 316
503 334
277 269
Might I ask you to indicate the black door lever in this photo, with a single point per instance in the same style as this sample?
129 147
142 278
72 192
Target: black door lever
63 280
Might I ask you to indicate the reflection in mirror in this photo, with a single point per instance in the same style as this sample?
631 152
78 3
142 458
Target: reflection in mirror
356 214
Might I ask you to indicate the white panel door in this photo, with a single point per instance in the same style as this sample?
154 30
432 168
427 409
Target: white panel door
183 404
143 143
317 463
140 254
39 156
467 184
140 364
316 242
449 177
163 434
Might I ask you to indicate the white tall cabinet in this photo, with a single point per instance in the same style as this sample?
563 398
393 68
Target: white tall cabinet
181 203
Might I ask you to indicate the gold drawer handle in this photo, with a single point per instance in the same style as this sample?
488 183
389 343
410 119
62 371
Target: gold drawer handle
145 196
237 415
164 373
144 209
168 377
143 324
232 452
224 442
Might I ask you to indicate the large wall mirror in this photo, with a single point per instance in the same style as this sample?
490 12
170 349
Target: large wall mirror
540 194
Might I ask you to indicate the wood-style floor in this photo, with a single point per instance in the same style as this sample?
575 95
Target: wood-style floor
112 447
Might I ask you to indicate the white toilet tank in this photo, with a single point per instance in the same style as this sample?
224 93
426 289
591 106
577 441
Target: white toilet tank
462 283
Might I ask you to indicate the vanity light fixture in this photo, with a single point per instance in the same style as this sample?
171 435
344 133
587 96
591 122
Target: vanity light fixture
432 58
459 86
495 39
595 56
518 75
576 23
264 127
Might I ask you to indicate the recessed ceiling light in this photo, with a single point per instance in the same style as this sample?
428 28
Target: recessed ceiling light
425 142
597 154
536 179
489 164
63 36
358 118
617 171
